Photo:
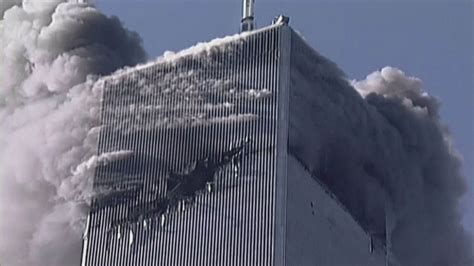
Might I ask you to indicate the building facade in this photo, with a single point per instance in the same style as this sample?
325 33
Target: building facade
208 172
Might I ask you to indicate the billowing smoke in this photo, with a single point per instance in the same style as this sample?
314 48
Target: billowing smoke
424 181
50 52
385 154
387 148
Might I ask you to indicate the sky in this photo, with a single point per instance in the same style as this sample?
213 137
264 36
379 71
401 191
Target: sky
432 40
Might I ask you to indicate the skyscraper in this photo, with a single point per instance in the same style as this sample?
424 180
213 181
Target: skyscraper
209 165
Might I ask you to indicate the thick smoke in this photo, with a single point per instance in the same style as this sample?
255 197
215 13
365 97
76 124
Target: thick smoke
49 117
426 183
387 150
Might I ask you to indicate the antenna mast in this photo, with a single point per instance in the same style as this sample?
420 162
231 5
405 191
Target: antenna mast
247 23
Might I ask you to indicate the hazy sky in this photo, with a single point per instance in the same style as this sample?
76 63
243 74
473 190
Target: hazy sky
432 40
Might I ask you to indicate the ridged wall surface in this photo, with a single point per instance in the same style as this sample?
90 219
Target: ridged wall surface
324 226
318 87
163 119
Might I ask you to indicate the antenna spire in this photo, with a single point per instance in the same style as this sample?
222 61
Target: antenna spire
247 23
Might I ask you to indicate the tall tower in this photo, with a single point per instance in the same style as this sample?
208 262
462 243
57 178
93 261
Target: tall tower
213 172
247 23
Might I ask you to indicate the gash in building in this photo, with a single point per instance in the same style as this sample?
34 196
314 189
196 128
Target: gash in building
209 166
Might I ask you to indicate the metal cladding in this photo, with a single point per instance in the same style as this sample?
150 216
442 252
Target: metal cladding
212 163
322 226
306 90
200 186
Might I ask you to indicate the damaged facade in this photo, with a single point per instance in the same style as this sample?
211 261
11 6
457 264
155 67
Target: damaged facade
218 173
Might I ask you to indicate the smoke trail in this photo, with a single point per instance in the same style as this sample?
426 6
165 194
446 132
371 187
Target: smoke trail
48 122
101 159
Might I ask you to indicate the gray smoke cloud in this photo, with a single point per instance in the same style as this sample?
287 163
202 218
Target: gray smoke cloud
49 117
387 148
7 4
427 182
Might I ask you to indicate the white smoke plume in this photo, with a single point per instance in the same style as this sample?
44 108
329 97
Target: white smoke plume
50 52
101 159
